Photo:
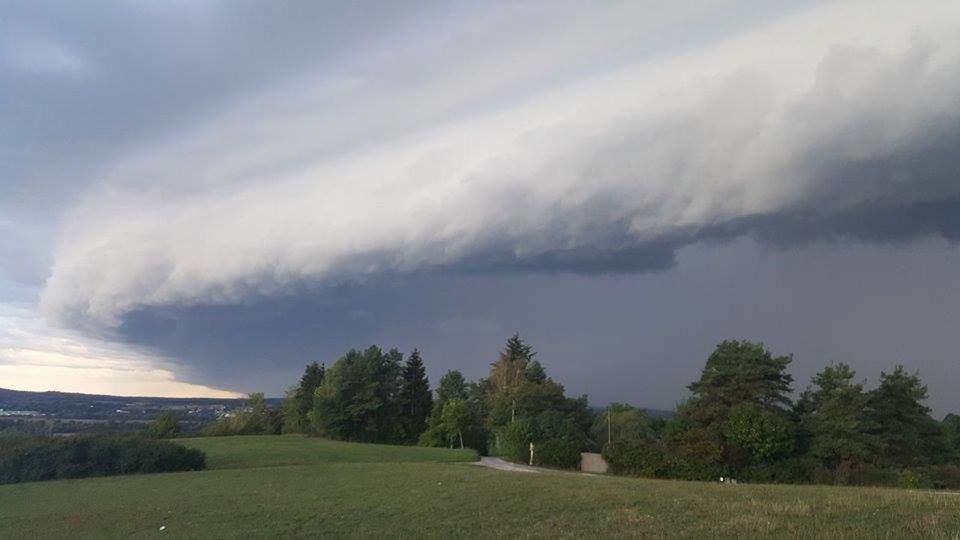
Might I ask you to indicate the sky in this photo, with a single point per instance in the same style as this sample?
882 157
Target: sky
199 197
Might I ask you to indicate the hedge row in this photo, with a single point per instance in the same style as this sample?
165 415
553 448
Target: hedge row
32 459
649 458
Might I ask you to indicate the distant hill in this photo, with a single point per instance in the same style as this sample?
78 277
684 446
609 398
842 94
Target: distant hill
96 407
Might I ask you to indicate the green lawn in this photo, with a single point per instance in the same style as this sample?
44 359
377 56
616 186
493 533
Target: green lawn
419 493
271 451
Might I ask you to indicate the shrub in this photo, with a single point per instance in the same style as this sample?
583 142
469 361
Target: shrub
559 453
37 459
699 459
914 479
165 426
640 457
869 475
943 476
513 441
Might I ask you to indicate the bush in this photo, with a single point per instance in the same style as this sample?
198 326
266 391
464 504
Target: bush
699 459
165 426
943 476
914 479
786 471
513 441
640 457
559 453
37 459
870 475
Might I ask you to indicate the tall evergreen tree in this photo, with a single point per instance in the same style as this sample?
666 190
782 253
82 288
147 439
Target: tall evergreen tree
535 373
910 436
740 377
415 399
517 349
740 372
509 369
836 417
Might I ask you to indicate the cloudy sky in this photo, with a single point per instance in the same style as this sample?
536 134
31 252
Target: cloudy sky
198 197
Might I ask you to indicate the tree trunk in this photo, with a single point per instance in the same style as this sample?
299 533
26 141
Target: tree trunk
461 439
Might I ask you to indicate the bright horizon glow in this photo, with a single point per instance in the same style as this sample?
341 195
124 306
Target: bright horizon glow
37 357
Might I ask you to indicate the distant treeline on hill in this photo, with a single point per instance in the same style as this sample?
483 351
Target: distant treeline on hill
59 413
739 421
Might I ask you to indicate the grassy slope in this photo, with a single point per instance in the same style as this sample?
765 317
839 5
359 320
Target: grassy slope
270 451
420 497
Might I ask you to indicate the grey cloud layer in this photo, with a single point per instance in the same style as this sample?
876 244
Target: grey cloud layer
838 121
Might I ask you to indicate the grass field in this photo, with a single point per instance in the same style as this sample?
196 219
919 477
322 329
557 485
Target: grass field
331 489
269 451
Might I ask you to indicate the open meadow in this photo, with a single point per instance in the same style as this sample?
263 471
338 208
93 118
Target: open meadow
296 486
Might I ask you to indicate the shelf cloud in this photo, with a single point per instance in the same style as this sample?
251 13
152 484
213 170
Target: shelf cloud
835 122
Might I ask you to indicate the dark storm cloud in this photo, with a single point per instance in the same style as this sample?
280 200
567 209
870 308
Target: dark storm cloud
632 337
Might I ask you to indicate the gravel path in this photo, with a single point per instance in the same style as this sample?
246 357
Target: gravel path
501 465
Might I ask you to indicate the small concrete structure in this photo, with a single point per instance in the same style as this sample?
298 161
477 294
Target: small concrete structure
591 462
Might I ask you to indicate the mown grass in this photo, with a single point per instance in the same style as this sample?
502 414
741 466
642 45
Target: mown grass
422 497
272 451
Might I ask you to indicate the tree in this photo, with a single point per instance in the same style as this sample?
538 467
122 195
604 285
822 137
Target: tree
910 436
293 420
517 349
256 418
164 426
509 369
299 400
835 415
415 399
452 386
763 435
357 399
455 418
620 422
259 419
743 372
951 429
525 406
737 374
535 373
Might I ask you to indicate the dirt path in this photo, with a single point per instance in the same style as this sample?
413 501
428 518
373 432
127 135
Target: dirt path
501 465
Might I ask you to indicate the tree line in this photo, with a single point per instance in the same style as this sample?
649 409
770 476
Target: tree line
740 420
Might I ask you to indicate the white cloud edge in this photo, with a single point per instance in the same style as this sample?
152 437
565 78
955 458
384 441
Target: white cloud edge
235 205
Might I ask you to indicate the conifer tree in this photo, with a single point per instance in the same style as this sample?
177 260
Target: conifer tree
910 436
835 414
415 399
